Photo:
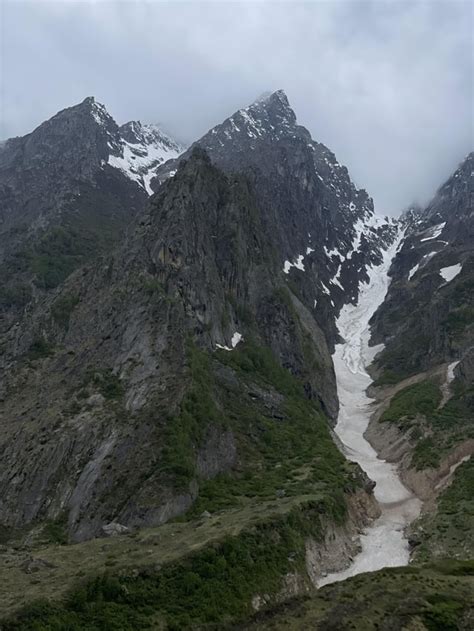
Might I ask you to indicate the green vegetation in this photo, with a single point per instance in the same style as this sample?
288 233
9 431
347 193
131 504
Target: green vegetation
436 597
450 530
419 398
257 362
283 440
459 319
108 384
435 431
15 295
277 431
55 531
213 589
90 225
426 454
59 253
214 585
62 309
388 378
185 431
39 349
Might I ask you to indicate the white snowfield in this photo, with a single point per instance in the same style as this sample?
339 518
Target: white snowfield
140 160
448 273
383 543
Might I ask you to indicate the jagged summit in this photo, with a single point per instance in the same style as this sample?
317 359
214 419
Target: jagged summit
88 107
134 148
325 223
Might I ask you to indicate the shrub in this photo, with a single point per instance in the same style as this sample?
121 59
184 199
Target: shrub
62 308
419 398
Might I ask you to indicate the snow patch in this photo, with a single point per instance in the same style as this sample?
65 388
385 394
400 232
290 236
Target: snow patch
413 271
138 160
448 273
298 264
325 289
450 371
236 338
434 232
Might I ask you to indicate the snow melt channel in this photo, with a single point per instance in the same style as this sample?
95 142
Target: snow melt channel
383 543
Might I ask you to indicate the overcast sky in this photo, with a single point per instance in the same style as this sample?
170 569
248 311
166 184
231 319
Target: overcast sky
387 85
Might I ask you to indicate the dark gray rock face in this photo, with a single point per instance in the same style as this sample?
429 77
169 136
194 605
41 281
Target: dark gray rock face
199 266
68 191
428 314
318 219
40 172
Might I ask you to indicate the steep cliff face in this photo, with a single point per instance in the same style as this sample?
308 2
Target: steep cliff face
144 377
327 232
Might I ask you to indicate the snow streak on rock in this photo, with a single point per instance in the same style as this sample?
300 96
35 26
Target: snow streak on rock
383 543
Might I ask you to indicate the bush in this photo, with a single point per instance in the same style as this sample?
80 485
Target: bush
39 349
62 308
419 398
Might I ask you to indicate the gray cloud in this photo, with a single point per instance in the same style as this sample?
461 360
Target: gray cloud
387 85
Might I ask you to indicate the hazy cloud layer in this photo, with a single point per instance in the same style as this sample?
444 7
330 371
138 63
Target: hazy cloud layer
387 85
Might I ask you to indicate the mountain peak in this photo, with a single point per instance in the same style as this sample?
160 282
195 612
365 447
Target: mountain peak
275 105
273 97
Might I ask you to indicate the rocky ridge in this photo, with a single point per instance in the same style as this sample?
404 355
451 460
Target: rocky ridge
329 233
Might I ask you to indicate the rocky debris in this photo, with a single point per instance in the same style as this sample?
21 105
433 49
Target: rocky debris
114 528
464 371
33 565
95 400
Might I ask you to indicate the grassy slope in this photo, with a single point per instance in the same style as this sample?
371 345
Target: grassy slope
290 482
261 542
449 531
436 597
280 435
434 431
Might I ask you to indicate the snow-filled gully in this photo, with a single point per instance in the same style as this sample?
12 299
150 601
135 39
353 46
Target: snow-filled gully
383 543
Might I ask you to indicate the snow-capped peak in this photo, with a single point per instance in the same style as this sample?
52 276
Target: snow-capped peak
98 111
140 149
